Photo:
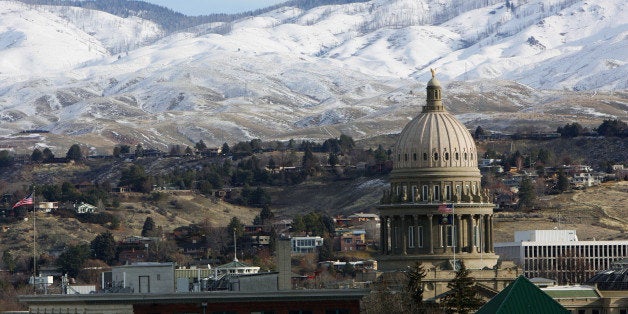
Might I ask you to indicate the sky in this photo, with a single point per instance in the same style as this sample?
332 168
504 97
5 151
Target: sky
201 7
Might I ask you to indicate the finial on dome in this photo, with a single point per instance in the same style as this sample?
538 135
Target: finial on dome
433 72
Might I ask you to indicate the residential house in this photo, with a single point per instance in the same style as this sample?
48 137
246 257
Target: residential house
85 208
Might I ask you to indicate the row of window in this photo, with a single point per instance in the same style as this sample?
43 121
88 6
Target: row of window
436 156
436 195
415 236
609 250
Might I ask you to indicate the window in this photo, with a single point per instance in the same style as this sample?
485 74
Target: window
446 156
449 230
424 193
398 157
424 156
414 192
414 156
347 240
405 157
457 156
448 192
435 156
396 236
465 156
158 276
411 236
420 238
437 192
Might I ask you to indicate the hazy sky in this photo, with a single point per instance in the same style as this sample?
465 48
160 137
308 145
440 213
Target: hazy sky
200 7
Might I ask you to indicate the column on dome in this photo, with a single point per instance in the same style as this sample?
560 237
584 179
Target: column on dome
487 234
404 235
430 232
382 234
415 219
491 249
470 233
458 226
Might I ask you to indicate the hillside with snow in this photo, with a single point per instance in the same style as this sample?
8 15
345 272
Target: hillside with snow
360 68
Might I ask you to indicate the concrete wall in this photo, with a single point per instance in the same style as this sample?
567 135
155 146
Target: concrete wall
146 277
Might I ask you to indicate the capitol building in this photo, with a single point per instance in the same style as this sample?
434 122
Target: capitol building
436 211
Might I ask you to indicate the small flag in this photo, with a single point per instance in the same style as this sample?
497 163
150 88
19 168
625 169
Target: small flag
446 220
446 208
25 201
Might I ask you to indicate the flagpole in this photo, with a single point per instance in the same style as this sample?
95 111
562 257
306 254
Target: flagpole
34 246
453 222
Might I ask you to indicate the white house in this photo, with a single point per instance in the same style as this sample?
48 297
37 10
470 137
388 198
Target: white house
305 244
85 208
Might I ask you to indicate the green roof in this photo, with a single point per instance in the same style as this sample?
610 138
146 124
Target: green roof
571 293
522 296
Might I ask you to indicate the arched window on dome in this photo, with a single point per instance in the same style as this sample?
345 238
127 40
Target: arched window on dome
458 190
446 156
398 157
414 156
465 156
425 156
457 156
405 157
435 156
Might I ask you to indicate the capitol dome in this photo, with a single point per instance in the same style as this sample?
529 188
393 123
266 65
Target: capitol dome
435 138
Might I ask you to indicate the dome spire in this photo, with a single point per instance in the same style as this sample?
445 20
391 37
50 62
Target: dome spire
434 101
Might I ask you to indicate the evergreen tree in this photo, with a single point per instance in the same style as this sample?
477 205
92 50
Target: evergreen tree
309 161
346 143
188 151
37 155
5 159
266 214
74 153
527 193
479 133
103 247
48 155
613 128
235 225
71 261
462 297
149 226
200 146
225 151
139 150
414 287
9 261
125 149
333 159
562 183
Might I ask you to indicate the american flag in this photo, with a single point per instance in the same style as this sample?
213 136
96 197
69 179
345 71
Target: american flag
446 208
25 201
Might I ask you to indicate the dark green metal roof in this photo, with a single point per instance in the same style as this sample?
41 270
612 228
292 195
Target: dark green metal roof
522 296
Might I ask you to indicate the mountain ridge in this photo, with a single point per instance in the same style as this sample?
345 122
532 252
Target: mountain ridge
354 68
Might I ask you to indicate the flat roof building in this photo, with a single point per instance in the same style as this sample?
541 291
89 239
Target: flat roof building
557 254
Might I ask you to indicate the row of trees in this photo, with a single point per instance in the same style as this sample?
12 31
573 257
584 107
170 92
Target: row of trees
608 128
406 295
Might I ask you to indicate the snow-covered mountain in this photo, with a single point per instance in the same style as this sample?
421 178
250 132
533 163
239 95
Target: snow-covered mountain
356 68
